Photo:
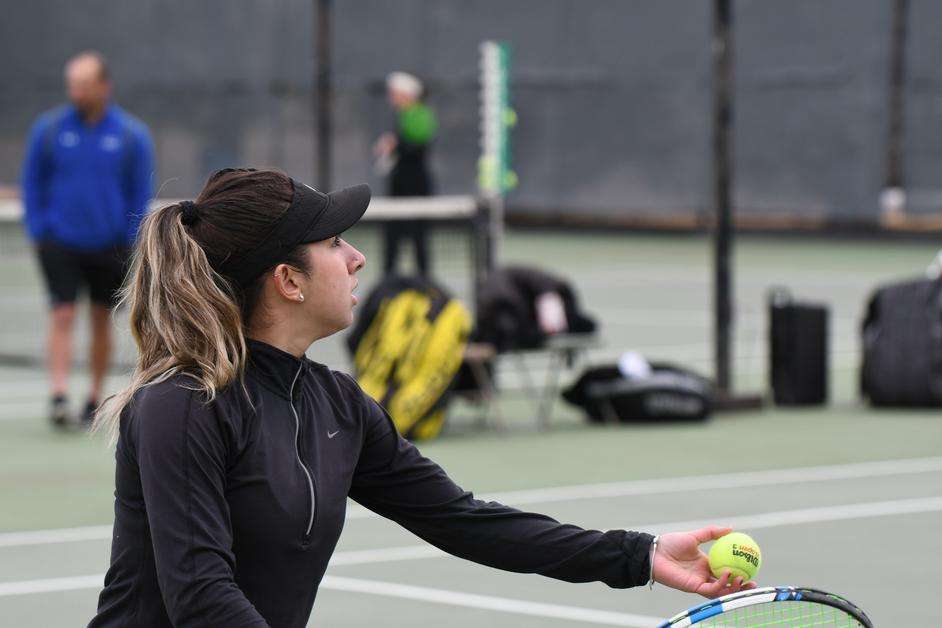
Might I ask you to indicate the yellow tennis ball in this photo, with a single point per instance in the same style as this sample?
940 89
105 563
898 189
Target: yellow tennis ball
738 553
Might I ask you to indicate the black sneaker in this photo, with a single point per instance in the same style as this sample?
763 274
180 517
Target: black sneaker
88 415
59 412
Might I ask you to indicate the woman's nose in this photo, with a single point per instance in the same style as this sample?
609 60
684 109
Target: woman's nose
358 260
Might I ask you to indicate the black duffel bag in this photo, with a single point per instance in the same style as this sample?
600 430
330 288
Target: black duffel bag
668 393
902 345
507 308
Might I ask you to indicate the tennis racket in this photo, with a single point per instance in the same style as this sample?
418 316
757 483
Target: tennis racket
792 607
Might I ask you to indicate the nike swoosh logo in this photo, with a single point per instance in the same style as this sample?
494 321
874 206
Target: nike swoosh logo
332 434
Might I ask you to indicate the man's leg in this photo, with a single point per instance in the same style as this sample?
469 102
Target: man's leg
104 271
61 323
60 269
100 350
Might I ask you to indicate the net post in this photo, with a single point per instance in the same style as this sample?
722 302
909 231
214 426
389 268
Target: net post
893 195
722 183
494 174
323 99
722 201
482 248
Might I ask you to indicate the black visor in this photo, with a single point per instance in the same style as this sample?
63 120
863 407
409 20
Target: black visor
313 216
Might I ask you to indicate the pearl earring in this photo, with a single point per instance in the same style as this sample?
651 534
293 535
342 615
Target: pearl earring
300 298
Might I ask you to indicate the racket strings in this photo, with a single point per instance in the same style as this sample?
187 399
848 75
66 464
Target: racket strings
782 615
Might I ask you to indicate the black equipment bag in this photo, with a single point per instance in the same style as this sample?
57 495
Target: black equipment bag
902 345
798 352
507 308
407 344
669 393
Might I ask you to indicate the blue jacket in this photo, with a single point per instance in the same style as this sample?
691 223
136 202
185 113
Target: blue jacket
87 187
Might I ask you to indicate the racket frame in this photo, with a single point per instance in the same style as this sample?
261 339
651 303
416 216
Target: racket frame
764 595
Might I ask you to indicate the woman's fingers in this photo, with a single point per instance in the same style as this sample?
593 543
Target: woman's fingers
719 585
724 585
715 588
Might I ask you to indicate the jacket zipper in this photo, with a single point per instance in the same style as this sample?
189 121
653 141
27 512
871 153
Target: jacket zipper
297 451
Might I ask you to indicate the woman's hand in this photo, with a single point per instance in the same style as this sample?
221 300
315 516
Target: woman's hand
679 564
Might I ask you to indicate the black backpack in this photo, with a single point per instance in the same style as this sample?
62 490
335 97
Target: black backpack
902 345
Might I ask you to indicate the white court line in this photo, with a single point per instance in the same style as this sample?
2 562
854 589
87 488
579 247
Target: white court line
385 555
586 615
63 535
15 411
52 585
740 522
488 602
776 519
692 483
845 512
586 491
388 589
24 387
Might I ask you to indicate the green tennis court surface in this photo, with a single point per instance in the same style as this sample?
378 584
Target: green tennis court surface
841 497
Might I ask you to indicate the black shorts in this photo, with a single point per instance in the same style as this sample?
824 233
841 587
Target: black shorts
69 271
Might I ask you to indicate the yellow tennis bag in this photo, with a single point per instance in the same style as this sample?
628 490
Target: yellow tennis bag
407 345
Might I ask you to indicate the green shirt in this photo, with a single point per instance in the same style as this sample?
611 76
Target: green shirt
417 124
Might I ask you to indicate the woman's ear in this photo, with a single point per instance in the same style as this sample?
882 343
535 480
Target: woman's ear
286 282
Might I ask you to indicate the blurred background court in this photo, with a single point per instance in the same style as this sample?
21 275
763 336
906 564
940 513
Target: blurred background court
614 158
867 530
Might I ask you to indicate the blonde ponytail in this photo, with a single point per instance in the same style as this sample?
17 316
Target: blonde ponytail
185 316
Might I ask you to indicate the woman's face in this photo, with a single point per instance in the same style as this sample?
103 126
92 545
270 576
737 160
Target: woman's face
328 292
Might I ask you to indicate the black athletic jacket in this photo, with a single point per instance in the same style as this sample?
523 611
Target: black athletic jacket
226 513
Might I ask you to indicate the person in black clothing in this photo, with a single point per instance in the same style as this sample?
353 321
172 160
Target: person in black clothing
236 453
405 153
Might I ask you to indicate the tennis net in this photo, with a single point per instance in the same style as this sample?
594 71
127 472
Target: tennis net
458 243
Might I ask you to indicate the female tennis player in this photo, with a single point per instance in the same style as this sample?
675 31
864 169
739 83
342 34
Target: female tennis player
236 454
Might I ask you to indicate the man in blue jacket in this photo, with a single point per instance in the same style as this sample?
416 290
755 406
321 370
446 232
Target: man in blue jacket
87 179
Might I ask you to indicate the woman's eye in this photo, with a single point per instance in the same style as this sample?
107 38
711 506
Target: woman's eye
336 241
